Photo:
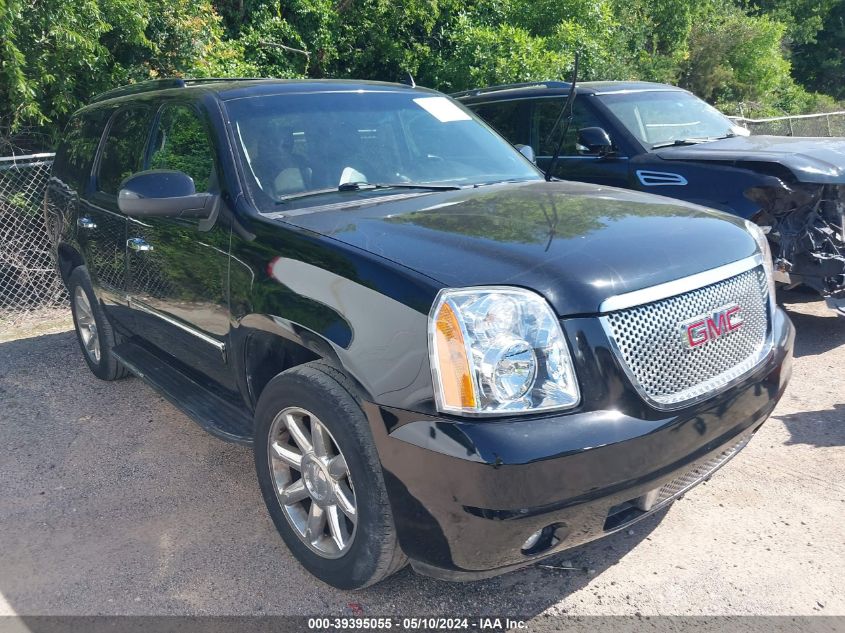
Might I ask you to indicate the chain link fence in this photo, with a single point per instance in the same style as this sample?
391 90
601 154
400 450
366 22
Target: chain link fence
827 124
29 284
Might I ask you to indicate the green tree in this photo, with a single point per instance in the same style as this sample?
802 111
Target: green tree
523 40
820 64
803 18
57 54
655 36
484 55
737 57
51 54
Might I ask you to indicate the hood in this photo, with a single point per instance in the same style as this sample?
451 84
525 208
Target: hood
576 244
818 160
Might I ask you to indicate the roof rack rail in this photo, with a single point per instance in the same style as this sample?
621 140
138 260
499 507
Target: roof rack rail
162 84
527 85
143 86
211 80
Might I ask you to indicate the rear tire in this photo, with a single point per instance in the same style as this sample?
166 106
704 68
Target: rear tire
329 428
93 331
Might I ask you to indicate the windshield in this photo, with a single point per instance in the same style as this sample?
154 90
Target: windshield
667 117
324 142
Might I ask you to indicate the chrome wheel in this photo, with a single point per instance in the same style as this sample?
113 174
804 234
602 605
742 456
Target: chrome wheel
312 482
86 325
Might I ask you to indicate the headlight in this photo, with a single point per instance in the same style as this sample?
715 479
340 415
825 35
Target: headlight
766 253
498 350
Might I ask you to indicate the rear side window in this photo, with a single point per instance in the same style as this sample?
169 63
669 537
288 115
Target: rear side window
123 151
73 161
181 143
508 118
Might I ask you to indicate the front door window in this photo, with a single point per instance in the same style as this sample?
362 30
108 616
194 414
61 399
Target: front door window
546 112
181 143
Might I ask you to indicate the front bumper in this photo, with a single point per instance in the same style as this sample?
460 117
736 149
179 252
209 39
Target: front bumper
466 494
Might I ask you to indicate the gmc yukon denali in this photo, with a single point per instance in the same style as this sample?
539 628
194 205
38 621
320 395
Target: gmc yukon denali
437 356
665 140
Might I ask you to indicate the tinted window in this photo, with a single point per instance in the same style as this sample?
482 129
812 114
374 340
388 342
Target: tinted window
546 112
305 142
76 154
508 118
123 152
181 143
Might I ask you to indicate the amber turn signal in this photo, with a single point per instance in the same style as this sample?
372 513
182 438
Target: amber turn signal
456 387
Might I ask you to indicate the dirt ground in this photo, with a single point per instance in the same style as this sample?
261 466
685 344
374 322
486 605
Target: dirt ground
113 502
35 323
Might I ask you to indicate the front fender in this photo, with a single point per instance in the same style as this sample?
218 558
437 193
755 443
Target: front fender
367 316
379 341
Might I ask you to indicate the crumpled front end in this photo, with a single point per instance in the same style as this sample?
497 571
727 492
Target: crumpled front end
806 229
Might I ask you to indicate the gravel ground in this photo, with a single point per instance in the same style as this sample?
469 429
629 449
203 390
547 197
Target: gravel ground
113 502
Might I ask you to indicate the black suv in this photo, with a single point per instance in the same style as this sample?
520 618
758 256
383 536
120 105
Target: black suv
662 139
436 355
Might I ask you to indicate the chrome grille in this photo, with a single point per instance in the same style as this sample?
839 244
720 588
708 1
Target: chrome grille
667 372
681 484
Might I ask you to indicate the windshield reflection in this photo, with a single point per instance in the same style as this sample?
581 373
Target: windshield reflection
670 117
306 145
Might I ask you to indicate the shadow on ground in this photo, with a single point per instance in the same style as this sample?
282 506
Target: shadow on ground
818 329
113 502
823 428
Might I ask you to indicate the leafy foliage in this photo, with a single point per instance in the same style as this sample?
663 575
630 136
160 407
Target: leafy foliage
182 144
765 54
739 57
655 36
821 62
56 54
803 18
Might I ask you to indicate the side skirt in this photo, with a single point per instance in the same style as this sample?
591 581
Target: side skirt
214 414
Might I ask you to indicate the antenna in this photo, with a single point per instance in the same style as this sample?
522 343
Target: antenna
567 107
409 80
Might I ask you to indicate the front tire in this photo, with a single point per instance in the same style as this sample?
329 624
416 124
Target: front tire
321 478
93 330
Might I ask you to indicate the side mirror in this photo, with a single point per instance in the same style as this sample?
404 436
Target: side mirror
593 141
164 193
527 151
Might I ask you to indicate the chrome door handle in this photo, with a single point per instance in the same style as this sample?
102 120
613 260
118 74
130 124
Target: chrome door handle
86 223
138 244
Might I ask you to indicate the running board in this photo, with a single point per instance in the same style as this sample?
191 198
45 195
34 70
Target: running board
214 414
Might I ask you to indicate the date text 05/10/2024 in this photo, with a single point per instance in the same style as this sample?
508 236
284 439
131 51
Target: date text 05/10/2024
416 624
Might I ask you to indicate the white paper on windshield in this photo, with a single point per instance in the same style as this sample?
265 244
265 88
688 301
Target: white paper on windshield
442 109
350 174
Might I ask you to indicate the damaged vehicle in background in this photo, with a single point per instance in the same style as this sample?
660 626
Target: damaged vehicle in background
665 140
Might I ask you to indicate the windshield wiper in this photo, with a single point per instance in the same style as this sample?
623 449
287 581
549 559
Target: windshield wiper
366 186
684 141
504 181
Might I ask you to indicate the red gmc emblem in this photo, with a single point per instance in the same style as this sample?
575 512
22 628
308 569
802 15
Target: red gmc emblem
703 329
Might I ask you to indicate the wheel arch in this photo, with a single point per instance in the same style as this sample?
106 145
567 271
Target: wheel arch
266 348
